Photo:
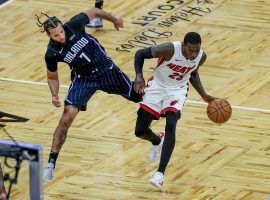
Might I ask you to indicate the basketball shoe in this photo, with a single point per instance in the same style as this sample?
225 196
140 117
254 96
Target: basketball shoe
157 180
155 150
48 172
95 23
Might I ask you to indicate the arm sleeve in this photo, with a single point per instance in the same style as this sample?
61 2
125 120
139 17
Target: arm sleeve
51 62
139 58
78 22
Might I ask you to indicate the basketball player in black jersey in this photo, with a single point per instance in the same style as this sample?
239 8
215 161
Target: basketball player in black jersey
91 70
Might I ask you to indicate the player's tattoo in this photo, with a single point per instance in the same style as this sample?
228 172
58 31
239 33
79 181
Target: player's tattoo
165 50
60 139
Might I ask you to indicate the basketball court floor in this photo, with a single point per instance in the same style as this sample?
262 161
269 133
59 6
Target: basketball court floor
102 158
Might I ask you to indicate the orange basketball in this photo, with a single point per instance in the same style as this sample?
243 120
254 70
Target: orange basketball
219 110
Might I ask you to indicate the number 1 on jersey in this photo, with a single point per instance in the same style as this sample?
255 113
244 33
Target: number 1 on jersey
83 55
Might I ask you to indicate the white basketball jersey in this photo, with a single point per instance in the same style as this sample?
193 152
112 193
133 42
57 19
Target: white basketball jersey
176 72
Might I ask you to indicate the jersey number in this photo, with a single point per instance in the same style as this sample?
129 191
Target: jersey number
83 55
177 76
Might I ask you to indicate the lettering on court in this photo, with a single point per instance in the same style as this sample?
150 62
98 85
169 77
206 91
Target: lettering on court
160 19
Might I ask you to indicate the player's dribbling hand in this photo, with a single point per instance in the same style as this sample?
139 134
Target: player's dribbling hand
207 98
118 23
139 84
56 101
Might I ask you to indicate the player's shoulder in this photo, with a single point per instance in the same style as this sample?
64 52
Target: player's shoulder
164 50
202 58
176 43
50 51
167 46
51 45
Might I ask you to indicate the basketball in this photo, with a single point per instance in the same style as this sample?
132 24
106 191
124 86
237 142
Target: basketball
219 111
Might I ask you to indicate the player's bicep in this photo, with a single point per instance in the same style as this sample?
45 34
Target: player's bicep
165 50
51 62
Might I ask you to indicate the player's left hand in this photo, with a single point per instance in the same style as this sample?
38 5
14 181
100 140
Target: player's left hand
139 84
207 98
118 23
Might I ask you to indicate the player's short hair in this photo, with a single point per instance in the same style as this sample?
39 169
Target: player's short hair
51 22
192 38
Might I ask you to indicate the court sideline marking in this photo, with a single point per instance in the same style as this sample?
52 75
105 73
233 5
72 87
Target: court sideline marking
6 3
188 101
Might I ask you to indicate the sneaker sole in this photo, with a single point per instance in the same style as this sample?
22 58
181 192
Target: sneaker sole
154 184
47 180
88 26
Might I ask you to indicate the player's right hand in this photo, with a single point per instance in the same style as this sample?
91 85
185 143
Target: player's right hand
56 101
139 84
118 23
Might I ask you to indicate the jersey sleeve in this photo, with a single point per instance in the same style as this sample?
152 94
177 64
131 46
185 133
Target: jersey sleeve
51 61
78 22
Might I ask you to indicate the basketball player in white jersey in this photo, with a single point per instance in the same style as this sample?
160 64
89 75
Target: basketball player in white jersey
166 92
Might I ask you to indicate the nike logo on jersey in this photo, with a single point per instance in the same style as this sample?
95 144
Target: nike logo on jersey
71 38
61 50
177 60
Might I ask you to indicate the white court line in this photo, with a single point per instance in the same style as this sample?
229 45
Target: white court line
189 101
6 3
29 82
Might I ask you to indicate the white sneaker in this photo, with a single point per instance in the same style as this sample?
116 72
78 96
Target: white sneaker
48 172
95 23
157 180
155 150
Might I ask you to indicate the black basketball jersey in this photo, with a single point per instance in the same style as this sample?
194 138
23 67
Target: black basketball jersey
82 52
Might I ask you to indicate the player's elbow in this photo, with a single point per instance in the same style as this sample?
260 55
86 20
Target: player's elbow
144 53
139 54
91 13
52 75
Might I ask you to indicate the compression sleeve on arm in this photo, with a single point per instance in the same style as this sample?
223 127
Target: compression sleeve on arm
139 58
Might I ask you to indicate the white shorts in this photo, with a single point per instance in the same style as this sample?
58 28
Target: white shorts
158 98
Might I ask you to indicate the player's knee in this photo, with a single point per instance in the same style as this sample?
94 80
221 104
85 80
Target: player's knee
171 121
66 120
139 132
175 116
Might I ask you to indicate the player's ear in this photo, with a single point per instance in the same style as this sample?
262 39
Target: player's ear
48 33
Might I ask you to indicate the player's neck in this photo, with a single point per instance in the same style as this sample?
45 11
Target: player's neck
183 51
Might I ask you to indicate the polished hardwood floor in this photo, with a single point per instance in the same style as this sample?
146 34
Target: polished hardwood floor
102 158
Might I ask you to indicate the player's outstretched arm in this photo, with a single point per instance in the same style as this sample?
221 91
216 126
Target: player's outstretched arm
196 82
95 12
53 82
164 51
